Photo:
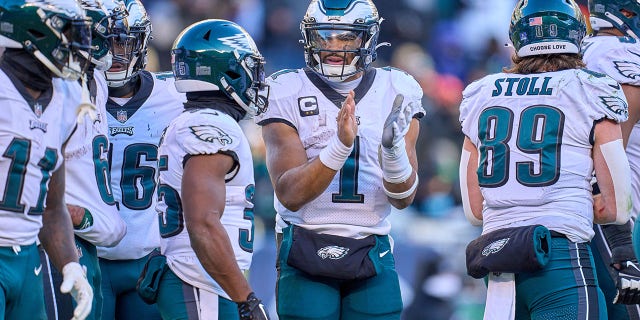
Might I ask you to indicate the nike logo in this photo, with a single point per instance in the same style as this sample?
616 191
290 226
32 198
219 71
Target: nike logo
617 86
384 253
37 270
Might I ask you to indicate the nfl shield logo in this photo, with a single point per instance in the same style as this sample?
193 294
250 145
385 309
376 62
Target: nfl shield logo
122 116
37 109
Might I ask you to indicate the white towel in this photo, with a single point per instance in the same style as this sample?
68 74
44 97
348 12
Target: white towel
501 297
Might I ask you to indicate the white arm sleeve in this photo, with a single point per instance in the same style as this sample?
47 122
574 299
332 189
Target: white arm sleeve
616 159
466 205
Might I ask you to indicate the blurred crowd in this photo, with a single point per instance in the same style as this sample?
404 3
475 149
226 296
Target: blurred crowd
445 45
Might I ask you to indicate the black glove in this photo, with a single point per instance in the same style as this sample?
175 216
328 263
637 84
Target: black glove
252 309
628 283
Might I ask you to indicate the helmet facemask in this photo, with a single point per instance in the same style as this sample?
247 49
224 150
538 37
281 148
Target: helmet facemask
338 51
75 38
340 37
129 41
245 83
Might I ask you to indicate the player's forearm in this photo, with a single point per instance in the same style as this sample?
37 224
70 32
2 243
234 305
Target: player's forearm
213 248
56 236
303 184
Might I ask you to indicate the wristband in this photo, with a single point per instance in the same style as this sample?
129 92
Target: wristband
335 154
396 167
87 221
402 195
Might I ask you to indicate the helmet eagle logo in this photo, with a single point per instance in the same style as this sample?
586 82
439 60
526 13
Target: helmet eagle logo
238 42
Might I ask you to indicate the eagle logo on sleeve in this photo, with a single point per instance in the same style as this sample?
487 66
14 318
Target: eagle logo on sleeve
615 104
628 69
209 133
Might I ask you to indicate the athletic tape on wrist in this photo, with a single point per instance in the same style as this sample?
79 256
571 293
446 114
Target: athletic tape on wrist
396 167
335 154
402 195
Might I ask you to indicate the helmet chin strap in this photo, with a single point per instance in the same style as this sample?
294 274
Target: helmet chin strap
232 92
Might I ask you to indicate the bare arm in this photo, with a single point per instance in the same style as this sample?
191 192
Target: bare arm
612 172
203 202
296 180
410 139
633 98
56 234
472 198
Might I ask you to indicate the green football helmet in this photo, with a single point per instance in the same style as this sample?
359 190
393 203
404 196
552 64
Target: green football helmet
129 48
55 32
214 55
546 27
336 29
611 14
106 15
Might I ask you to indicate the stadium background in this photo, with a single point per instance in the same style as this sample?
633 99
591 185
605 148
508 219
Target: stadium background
445 45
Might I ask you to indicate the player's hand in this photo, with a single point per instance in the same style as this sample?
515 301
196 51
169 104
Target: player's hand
252 309
75 282
77 214
628 283
347 125
398 122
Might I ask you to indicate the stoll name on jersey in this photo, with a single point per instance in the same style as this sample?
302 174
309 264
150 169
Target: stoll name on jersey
522 86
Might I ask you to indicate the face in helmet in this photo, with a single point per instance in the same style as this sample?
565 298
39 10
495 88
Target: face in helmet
55 32
106 16
214 55
340 37
618 14
546 27
129 45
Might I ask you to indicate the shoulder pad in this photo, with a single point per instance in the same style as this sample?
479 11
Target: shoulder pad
276 74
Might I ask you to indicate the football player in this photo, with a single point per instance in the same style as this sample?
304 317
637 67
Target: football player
90 201
43 41
206 183
139 108
348 131
613 49
534 134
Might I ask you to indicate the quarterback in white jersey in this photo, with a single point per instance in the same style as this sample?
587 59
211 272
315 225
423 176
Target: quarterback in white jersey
340 141
354 204
206 183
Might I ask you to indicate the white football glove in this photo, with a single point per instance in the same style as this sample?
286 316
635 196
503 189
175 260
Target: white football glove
394 160
75 282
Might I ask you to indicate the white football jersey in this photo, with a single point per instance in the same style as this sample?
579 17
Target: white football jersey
32 135
619 57
87 174
134 131
354 204
197 132
533 134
